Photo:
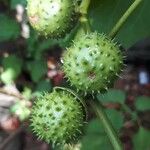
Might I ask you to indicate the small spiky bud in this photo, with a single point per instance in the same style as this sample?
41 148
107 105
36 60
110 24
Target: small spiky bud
93 63
58 117
52 18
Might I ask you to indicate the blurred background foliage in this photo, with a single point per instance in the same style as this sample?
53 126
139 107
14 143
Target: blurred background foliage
32 64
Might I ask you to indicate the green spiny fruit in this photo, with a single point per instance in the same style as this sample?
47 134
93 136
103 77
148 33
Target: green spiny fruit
53 18
93 62
58 117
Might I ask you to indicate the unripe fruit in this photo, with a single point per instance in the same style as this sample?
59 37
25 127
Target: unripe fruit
53 18
58 117
93 63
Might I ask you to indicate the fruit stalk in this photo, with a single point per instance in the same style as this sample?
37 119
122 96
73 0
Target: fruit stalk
111 133
83 11
84 6
123 19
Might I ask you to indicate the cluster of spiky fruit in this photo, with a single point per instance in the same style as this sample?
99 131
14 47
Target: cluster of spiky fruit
93 62
53 18
58 117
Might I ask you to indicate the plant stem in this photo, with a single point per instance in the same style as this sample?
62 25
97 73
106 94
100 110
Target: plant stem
84 6
84 11
114 139
123 19
110 131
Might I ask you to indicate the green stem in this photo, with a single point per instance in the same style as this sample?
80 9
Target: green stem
114 139
84 6
110 131
84 11
123 19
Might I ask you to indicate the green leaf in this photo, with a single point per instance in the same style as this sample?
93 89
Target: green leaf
44 86
12 68
14 3
141 139
20 110
36 47
43 46
105 13
142 103
95 135
113 95
37 69
95 127
9 29
27 93
95 142
115 117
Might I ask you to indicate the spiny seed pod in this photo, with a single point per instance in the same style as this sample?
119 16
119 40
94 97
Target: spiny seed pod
58 117
93 63
53 18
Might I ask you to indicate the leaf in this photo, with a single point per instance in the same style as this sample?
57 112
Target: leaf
32 43
113 95
43 46
95 142
115 117
9 29
20 110
36 47
27 93
14 3
12 68
142 103
44 86
38 69
141 139
95 135
95 127
105 13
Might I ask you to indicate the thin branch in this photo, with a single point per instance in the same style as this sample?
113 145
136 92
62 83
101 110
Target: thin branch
123 19
11 94
84 11
84 6
110 131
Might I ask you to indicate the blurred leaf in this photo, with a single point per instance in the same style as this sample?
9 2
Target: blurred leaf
141 139
9 29
95 127
27 93
142 103
32 42
12 68
46 44
8 76
20 110
95 133
36 47
14 3
95 137
105 13
115 117
43 46
38 69
95 142
112 95
44 86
